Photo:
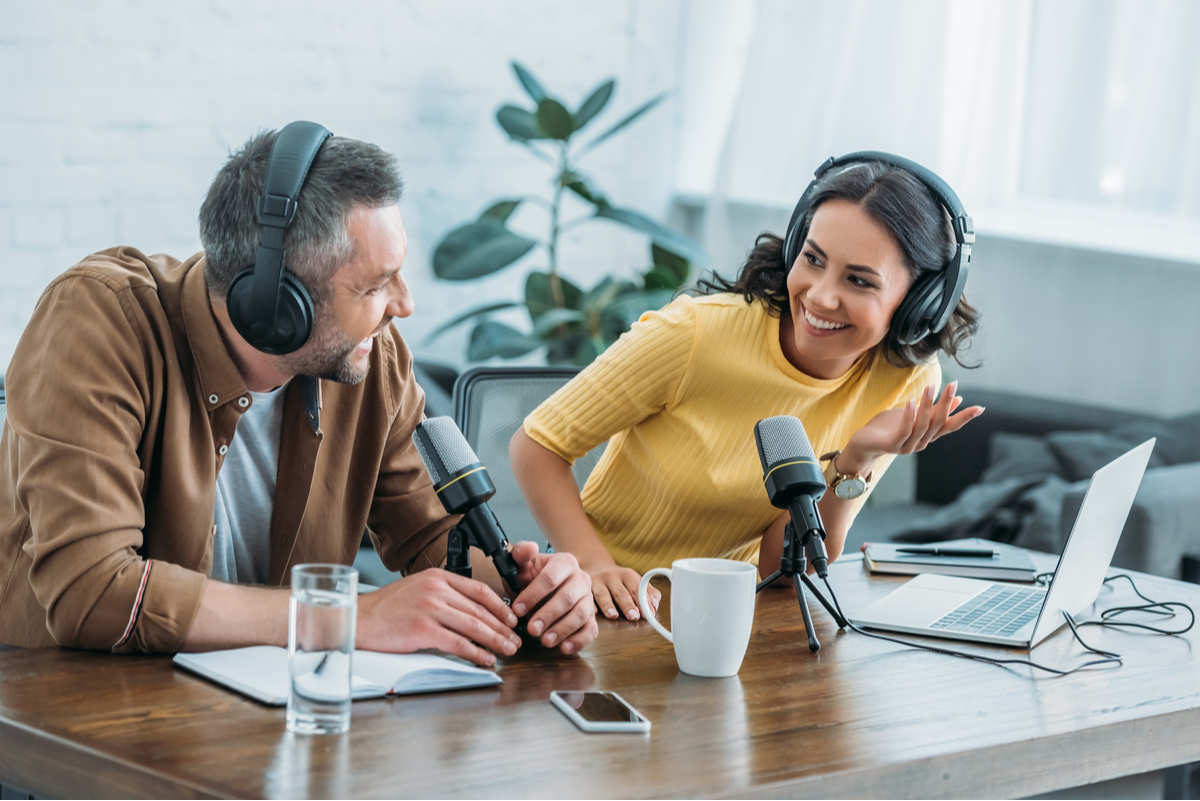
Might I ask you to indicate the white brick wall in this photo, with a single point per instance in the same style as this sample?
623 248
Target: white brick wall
115 115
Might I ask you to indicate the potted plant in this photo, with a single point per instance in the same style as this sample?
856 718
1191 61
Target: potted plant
573 324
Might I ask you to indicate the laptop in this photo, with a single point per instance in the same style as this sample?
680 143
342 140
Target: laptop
1012 614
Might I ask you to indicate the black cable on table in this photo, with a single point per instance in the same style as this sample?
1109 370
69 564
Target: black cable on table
1151 606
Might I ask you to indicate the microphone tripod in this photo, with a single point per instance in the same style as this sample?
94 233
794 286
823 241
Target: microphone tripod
794 565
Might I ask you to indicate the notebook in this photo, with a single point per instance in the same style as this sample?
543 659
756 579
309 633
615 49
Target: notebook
261 672
1013 615
1010 564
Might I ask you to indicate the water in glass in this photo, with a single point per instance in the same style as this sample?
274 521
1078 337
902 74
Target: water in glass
321 640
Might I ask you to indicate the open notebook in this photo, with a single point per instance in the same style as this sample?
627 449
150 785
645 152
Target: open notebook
261 672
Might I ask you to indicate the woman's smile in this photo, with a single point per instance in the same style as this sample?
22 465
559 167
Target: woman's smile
821 326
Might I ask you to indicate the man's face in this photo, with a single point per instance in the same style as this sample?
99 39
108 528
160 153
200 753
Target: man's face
362 298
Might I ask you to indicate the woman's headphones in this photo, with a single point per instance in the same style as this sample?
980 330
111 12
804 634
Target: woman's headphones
933 296
268 305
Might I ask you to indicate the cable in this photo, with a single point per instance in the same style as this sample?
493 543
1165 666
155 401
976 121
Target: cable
1151 607
1108 657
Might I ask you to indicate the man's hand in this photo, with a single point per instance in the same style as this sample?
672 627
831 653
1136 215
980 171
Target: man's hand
438 609
568 618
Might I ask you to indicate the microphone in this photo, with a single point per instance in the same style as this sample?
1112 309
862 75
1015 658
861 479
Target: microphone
794 481
463 485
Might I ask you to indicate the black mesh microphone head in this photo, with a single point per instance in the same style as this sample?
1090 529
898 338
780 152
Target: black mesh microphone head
459 479
790 466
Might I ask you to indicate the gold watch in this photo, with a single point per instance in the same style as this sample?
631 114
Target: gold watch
846 486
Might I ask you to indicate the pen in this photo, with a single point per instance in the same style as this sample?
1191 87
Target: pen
932 551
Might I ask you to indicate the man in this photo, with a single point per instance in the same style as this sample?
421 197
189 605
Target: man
155 465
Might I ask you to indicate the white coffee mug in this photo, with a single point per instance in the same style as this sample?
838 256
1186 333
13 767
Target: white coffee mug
712 613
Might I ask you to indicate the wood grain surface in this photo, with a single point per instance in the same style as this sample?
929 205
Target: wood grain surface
861 718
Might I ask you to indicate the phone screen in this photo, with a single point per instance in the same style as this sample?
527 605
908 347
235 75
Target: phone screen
600 707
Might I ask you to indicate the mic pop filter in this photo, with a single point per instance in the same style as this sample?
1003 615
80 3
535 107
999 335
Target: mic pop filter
460 480
790 466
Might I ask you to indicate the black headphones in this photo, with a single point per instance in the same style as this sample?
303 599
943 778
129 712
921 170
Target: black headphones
933 296
268 306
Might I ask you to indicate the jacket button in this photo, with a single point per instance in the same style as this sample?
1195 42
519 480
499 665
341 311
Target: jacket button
223 449
212 398
243 401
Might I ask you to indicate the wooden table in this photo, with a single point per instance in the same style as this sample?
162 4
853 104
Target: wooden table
862 718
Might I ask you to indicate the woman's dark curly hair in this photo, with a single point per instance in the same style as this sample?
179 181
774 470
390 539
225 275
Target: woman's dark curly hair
904 206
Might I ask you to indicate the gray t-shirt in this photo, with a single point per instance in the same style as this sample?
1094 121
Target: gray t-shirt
246 494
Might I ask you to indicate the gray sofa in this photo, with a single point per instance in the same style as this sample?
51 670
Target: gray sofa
1015 441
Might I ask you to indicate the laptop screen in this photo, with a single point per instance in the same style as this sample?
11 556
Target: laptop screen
1093 540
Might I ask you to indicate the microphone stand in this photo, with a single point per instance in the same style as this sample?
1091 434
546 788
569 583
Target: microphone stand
458 552
794 565
458 555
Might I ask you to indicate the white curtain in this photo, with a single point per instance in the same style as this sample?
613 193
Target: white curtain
1114 105
1029 108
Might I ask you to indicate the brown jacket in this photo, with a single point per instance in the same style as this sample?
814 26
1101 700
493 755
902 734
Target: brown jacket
121 396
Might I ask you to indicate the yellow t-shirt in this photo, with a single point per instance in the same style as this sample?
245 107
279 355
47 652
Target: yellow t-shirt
679 395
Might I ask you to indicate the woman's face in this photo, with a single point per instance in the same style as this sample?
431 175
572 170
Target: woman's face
844 287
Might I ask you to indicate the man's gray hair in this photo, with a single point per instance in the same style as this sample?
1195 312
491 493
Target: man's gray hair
346 173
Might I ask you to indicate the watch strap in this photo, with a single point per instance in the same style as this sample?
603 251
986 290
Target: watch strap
834 477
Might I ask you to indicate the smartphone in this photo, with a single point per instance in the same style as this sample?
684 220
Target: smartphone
599 711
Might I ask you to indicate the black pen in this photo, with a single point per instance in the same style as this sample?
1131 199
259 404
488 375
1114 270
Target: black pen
980 552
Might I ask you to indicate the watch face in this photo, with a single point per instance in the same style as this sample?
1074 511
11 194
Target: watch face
850 488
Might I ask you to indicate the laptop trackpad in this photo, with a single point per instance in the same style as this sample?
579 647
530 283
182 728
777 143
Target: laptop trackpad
921 601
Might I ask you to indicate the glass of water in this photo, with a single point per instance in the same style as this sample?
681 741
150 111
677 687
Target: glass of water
321 622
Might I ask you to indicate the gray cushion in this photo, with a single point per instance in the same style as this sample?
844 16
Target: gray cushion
1163 525
1014 455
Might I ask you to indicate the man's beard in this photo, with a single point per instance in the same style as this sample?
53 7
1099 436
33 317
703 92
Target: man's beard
328 354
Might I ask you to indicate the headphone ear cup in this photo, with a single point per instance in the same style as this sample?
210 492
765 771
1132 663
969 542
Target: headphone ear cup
914 315
293 319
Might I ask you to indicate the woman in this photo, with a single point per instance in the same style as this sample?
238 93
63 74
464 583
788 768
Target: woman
680 393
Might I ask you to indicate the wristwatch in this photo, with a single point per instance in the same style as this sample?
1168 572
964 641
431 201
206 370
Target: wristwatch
845 486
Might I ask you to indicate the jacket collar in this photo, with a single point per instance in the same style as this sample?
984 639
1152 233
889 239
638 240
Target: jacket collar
218 375
310 389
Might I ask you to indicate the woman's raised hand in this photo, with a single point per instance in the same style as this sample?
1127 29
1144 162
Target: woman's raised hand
907 429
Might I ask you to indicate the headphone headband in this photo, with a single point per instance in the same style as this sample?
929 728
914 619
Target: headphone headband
930 303
964 226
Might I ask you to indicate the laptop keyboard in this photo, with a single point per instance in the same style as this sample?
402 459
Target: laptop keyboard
999 610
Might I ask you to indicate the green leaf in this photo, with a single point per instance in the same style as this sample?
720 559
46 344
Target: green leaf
530 83
586 352
659 233
491 338
671 262
596 101
550 320
582 185
477 249
519 123
633 305
564 351
649 104
491 307
554 119
539 298
604 292
500 211
659 278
